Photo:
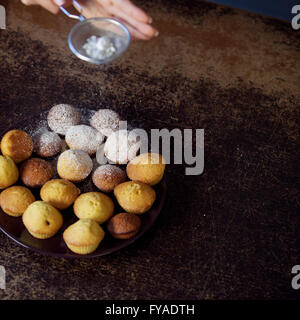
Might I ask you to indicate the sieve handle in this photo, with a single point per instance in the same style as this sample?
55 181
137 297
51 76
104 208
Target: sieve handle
73 16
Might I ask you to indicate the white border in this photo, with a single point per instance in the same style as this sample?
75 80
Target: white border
2 18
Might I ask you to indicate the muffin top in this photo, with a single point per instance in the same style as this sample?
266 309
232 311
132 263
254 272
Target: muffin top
35 172
84 138
124 224
60 193
84 232
95 206
105 121
108 176
61 117
147 167
122 146
47 143
9 172
134 196
74 164
17 144
42 217
15 200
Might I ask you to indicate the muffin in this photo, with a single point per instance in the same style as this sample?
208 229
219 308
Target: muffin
106 121
84 138
134 196
61 117
83 236
42 220
74 165
36 172
46 143
17 144
107 177
60 193
124 225
122 146
95 206
147 167
15 200
9 172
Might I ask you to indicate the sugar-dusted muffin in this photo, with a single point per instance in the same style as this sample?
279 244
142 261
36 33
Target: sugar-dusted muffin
124 225
107 177
74 165
17 144
105 121
61 117
9 172
60 193
134 196
47 143
147 167
95 206
83 236
42 220
122 146
84 138
15 200
36 172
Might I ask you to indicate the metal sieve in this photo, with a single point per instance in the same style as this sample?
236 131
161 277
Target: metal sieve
109 28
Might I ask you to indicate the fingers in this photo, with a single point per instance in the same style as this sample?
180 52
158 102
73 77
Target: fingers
143 28
92 9
133 11
48 5
135 34
146 31
135 19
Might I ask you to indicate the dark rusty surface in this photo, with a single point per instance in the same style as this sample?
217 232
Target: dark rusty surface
232 232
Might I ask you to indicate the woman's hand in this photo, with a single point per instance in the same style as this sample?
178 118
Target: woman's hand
135 19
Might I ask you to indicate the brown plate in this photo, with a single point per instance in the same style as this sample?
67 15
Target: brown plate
14 228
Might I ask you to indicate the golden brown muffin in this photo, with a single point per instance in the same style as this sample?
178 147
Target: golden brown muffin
95 206
74 165
17 144
83 236
147 167
9 172
60 193
36 172
15 200
107 177
47 143
42 220
134 196
124 225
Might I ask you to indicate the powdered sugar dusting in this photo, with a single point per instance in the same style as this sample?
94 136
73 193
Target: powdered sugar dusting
78 160
46 143
85 138
122 146
107 177
109 170
61 117
106 121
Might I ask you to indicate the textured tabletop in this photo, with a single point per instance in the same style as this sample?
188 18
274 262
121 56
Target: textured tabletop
230 233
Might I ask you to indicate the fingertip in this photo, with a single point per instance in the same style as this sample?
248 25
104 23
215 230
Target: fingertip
148 30
60 2
26 2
